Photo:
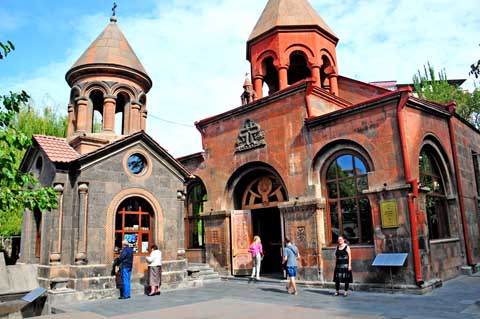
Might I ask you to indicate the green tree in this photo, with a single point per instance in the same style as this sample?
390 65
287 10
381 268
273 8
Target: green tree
18 190
6 48
475 69
31 121
437 89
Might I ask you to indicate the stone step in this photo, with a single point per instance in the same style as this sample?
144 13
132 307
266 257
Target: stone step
198 264
203 267
200 272
207 271
210 276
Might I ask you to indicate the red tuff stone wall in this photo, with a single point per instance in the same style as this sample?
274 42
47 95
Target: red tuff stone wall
281 118
357 92
468 144
299 149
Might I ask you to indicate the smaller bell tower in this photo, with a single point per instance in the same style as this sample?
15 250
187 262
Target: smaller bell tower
290 43
108 92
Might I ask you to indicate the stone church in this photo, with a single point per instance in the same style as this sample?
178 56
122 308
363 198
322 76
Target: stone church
114 182
310 155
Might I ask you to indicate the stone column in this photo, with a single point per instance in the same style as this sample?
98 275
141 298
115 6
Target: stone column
282 77
46 237
316 75
57 224
333 78
109 104
71 120
320 212
258 86
143 122
82 116
135 118
81 255
27 243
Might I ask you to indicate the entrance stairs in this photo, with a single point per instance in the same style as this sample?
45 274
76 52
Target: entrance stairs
202 273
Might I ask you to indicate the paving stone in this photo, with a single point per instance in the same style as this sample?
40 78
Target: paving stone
457 299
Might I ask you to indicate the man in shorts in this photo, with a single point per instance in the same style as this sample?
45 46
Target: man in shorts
290 256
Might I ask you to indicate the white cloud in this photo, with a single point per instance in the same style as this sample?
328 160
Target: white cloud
195 52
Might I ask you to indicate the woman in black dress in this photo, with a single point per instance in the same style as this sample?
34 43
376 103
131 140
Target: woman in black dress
343 266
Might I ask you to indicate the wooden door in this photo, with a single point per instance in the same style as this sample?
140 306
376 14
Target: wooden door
241 225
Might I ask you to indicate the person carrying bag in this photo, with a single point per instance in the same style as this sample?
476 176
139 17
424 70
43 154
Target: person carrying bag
290 256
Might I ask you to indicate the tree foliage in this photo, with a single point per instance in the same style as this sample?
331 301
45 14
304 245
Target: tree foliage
437 89
18 190
6 48
475 69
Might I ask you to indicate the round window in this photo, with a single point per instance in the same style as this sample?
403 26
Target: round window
137 163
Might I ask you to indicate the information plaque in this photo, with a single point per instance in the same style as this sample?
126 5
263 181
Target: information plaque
389 213
390 260
34 294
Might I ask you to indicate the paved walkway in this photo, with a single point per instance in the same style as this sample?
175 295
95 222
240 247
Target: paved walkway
457 299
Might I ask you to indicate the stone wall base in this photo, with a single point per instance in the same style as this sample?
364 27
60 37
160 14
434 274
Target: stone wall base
373 287
71 283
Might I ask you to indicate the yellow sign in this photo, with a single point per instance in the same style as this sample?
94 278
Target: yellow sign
389 213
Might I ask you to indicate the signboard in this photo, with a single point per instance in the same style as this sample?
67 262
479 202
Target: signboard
34 294
390 260
389 213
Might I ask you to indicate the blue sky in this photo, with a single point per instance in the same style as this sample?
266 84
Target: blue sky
192 48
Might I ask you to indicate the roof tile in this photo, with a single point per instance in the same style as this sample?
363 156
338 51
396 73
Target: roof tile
57 149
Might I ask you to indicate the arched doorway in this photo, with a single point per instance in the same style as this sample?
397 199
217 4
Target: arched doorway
256 197
134 222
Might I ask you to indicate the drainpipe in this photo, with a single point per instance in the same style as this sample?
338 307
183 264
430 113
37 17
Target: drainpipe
451 127
414 186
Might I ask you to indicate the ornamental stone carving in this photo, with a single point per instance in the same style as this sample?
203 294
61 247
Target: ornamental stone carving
251 136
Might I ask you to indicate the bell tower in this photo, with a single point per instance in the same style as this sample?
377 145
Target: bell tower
289 43
108 92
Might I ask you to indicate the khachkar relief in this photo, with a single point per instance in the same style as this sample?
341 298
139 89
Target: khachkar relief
250 136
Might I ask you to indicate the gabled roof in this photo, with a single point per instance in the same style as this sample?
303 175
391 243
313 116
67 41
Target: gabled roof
141 135
288 13
57 149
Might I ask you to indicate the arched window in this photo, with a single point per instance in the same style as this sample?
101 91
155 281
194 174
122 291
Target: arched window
133 222
123 101
298 69
436 200
271 75
325 82
350 214
197 195
96 98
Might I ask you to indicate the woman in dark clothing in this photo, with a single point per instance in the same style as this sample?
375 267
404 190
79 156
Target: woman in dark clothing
343 266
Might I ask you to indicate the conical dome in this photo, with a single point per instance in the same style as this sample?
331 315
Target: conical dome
110 53
288 13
